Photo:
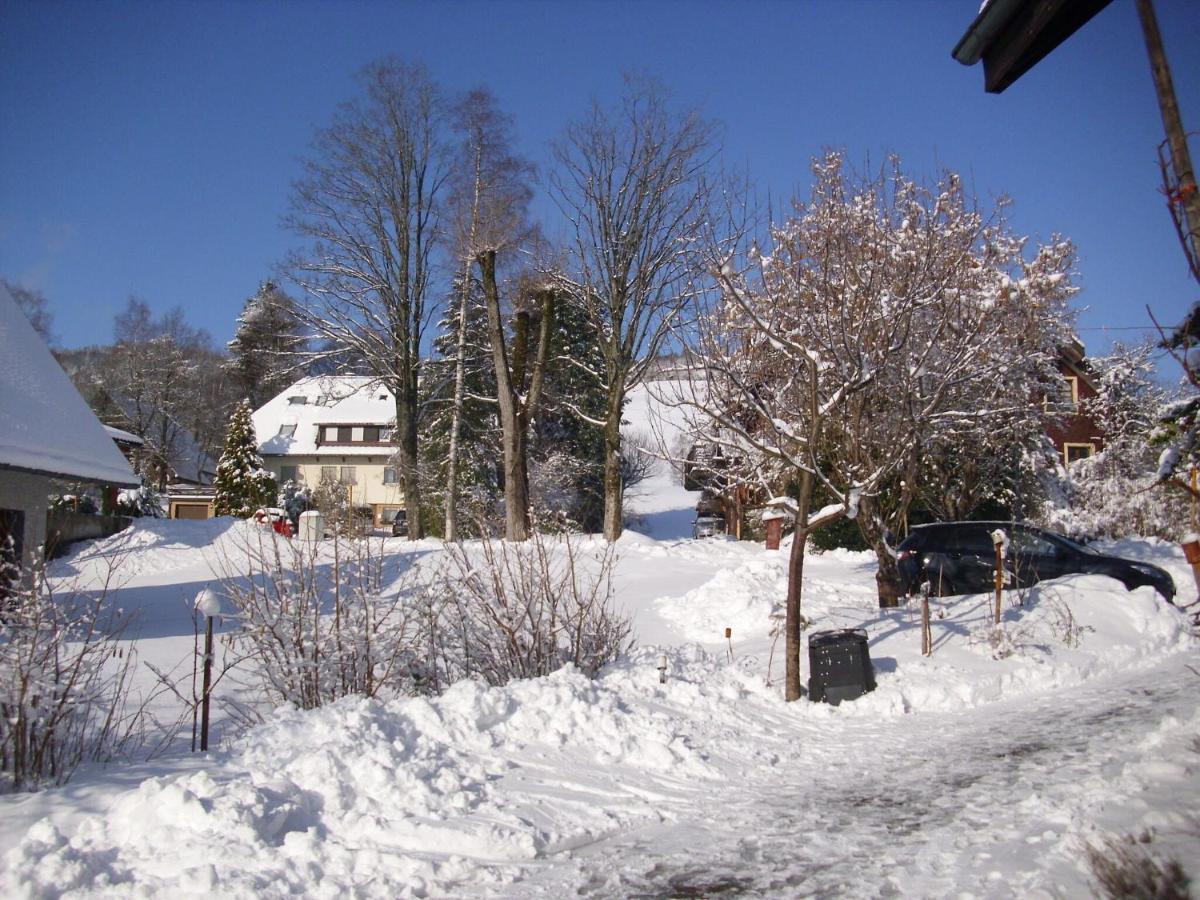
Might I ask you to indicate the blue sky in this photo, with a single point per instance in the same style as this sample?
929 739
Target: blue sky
147 149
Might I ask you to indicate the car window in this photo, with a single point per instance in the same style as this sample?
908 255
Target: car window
972 539
1027 543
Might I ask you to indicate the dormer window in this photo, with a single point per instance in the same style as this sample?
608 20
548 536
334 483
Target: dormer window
297 400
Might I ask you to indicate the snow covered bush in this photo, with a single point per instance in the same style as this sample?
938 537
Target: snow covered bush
524 609
332 500
1112 493
64 682
140 501
242 484
79 501
321 622
294 499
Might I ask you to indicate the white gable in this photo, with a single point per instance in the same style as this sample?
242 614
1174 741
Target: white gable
46 427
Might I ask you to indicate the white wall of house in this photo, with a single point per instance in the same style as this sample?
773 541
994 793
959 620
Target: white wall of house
27 494
370 485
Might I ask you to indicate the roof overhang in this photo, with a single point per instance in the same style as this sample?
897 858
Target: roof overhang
116 480
1012 36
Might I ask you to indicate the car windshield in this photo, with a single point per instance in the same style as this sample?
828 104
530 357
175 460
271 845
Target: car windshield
1074 545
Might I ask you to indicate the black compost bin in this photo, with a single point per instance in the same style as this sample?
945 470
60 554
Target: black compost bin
839 665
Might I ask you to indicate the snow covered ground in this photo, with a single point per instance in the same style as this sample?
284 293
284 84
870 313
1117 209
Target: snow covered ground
981 771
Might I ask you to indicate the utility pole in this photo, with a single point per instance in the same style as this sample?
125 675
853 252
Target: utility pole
1182 197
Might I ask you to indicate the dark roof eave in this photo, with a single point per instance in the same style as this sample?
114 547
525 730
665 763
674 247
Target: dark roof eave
989 23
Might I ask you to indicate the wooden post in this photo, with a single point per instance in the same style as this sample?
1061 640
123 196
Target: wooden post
1186 196
1191 550
207 688
926 630
998 540
209 605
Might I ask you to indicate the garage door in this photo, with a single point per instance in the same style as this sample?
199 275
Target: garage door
191 510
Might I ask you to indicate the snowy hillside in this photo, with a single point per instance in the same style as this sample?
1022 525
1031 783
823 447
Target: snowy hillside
981 771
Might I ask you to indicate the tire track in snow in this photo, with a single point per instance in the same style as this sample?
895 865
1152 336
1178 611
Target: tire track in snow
991 802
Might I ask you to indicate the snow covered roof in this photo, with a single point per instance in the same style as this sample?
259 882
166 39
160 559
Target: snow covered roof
317 401
187 460
126 437
46 427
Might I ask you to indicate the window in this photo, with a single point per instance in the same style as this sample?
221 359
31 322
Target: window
287 430
387 514
1025 543
386 432
346 475
390 475
1063 396
331 432
371 433
329 473
345 434
298 400
1075 452
289 473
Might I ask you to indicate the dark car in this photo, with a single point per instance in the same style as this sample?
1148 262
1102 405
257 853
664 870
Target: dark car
959 558
400 524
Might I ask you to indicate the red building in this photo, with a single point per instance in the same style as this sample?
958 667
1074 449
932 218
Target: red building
1075 434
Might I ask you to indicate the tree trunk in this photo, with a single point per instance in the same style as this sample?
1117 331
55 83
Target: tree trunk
887 575
406 436
792 629
451 505
887 579
516 481
614 512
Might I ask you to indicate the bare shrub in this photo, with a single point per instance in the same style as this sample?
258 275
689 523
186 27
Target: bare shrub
519 610
64 681
1062 622
316 628
1124 868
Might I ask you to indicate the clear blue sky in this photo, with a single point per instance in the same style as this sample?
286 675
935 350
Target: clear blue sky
147 149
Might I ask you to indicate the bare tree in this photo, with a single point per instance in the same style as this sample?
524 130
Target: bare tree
490 197
829 359
631 183
368 205
520 375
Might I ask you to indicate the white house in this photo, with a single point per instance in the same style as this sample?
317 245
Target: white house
47 432
335 428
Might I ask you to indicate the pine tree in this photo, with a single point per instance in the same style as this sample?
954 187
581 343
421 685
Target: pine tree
476 476
242 484
567 438
264 350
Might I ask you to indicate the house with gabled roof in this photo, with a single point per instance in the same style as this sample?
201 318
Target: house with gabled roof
47 433
336 428
1075 434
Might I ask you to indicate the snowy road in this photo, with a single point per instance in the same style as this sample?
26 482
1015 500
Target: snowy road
991 802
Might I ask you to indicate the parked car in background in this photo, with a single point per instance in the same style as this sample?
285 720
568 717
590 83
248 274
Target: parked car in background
276 519
400 524
959 558
708 526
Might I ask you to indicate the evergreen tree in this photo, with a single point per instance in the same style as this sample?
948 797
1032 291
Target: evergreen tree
477 478
568 440
265 348
242 484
